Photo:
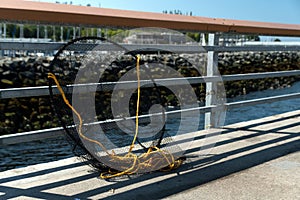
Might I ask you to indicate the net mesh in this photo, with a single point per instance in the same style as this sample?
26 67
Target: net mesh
114 132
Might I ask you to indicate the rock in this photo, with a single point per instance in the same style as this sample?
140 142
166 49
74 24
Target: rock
45 65
9 114
27 74
7 82
33 113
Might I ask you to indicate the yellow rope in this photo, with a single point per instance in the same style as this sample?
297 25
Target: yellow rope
137 103
144 161
52 76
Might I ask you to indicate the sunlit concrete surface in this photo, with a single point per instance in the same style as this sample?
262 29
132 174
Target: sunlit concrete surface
258 159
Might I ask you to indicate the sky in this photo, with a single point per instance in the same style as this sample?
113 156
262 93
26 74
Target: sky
278 11
281 11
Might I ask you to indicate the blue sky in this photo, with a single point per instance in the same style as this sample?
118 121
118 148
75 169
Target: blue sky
281 11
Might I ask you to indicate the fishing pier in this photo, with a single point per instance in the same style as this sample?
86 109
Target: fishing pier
254 159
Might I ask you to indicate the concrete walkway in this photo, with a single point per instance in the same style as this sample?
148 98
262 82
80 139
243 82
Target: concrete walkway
258 159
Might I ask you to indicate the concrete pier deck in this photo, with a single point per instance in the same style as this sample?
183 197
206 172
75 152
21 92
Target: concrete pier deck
258 159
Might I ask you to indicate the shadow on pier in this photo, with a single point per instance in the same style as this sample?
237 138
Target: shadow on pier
280 137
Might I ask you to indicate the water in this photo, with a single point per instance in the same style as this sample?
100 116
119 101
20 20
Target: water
21 155
24 154
263 110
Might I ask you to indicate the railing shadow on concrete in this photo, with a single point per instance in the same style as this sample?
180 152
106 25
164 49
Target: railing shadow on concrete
196 172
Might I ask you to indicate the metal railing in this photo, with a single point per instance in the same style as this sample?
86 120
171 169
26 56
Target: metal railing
49 13
54 46
90 16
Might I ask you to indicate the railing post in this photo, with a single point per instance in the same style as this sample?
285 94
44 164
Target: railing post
202 39
53 35
4 30
0 30
98 32
86 32
92 32
74 32
211 87
1 51
61 34
46 32
21 31
38 32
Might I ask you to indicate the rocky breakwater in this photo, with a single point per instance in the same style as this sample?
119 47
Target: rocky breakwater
34 113
254 62
24 114
23 71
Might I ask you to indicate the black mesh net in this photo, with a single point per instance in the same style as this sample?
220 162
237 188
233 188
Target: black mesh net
114 112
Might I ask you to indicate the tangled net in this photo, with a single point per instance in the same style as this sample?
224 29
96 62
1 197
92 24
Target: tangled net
84 72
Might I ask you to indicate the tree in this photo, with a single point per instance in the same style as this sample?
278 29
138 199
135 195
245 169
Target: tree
253 37
177 12
29 31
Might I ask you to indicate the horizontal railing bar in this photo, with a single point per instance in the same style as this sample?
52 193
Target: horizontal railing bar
24 92
30 136
30 46
53 46
236 77
259 48
50 13
249 76
108 86
262 100
53 132
173 112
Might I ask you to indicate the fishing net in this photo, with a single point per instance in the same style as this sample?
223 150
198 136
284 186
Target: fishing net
112 108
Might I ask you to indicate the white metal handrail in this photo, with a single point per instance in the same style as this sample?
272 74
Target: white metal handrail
53 46
55 132
44 90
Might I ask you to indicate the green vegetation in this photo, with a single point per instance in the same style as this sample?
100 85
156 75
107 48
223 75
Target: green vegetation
65 33
253 37
55 33
178 12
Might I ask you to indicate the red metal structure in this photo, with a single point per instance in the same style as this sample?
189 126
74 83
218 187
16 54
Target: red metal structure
49 13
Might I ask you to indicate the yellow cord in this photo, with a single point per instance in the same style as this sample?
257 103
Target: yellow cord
137 103
143 161
52 76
